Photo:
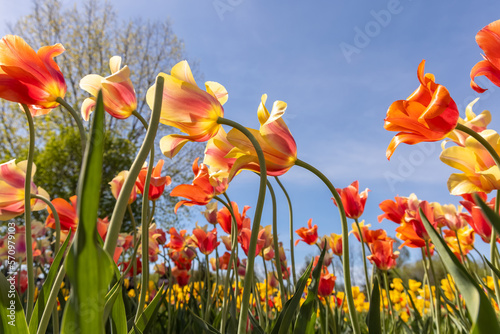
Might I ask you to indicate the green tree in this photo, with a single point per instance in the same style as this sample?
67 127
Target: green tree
92 33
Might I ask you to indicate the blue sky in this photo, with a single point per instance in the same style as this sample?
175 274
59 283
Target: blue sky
338 65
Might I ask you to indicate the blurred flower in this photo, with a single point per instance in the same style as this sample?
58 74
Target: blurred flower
274 137
461 241
429 114
12 179
158 182
117 91
308 235
480 173
117 184
352 200
211 213
29 77
188 108
488 40
181 276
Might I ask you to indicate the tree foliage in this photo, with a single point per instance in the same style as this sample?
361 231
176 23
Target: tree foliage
92 33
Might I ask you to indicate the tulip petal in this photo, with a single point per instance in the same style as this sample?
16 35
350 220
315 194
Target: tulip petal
170 145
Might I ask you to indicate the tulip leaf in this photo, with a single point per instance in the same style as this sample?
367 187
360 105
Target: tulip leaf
146 319
493 268
307 308
12 319
373 316
207 328
256 326
481 312
89 268
288 311
48 285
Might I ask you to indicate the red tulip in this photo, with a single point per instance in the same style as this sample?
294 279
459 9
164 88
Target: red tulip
352 200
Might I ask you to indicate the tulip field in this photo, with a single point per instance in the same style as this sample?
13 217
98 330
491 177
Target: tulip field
76 272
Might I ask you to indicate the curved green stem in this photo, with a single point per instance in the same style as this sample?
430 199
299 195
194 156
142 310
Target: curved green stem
481 140
145 238
438 291
365 267
56 219
345 244
247 286
234 247
389 301
27 215
51 300
276 245
79 123
493 252
291 231
122 201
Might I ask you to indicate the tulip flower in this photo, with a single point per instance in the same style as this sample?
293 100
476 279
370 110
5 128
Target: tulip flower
202 190
383 255
12 179
29 77
477 123
224 218
211 213
461 241
117 184
117 91
215 153
158 182
352 200
188 108
369 236
394 210
181 276
326 284
205 241
274 137
308 235
68 216
480 173
479 223
429 114
488 40
335 243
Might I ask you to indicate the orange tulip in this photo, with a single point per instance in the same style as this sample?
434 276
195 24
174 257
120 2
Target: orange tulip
369 236
429 114
12 178
117 91
202 190
205 241
117 184
188 108
68 216
29 77
274 137
383 255
488 40
308 235
326 284
352 200
224 218
158 182
394 210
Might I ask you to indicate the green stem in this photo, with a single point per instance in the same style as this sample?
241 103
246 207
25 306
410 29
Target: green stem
227 282
345 244
365 267
481 140
247 286
389 301
209 290
267 293
276 245
145 239
27 215
122 201
51 301
291 231
493 252
134 237
79 123
56 219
